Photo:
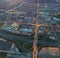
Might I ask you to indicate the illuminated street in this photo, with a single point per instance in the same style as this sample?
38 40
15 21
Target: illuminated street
30 29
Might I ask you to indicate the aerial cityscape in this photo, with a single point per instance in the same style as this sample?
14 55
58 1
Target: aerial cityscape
29 28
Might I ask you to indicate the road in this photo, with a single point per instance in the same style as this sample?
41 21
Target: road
33 24
1 39
49 56
12 36
15 38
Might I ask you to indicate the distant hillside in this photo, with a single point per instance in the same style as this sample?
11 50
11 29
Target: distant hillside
42 1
